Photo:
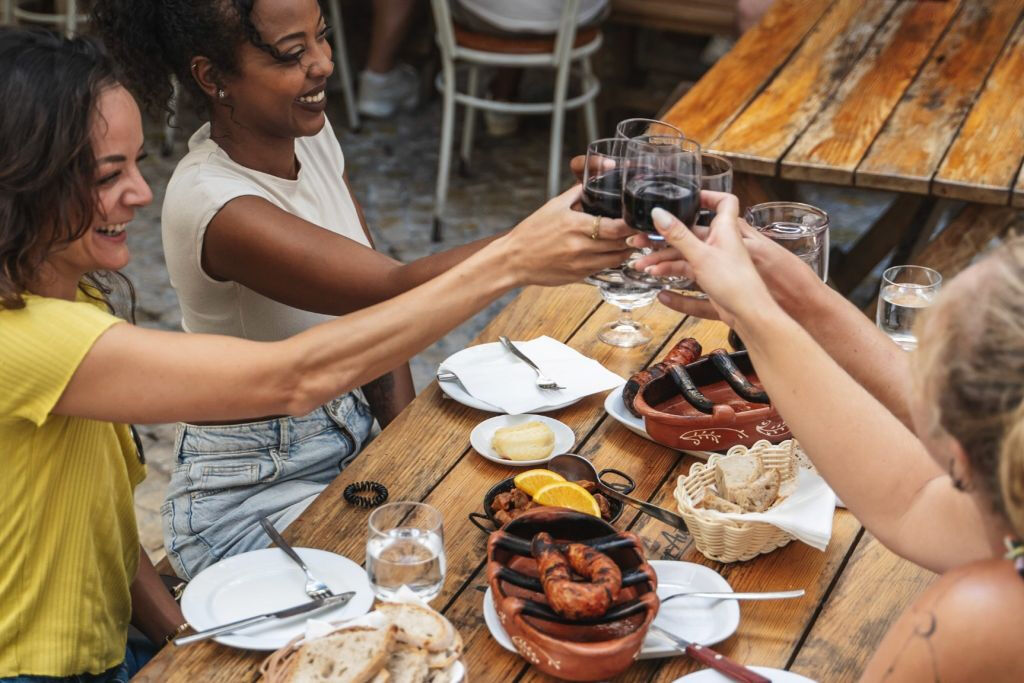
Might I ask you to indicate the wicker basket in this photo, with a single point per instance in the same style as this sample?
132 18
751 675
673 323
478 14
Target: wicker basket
729 540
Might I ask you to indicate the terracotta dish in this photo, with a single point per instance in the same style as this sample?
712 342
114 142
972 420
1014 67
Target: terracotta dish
671 420
577 651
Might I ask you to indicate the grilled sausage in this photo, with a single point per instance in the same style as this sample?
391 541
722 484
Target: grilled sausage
576 599
683 353
736 379
689 390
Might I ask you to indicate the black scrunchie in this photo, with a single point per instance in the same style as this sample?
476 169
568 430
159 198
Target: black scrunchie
353 491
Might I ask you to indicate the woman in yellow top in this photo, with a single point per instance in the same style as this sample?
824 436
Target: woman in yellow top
72 376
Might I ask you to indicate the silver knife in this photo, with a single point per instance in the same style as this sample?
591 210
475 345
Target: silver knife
340 599
708 657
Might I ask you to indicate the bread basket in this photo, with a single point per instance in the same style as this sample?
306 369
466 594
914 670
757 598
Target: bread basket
729 540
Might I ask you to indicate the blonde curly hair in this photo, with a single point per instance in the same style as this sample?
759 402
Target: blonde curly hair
973 366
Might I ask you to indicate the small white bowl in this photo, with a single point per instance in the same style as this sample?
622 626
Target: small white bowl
482 435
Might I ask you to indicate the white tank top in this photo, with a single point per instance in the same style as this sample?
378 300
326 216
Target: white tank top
207 179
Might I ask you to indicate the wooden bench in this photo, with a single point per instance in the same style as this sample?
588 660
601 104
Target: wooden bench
704 17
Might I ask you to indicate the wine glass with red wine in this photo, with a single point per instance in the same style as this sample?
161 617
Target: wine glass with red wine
660 172
602 178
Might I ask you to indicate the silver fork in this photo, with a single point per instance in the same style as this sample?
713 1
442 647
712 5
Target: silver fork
543 381
775 595
315 588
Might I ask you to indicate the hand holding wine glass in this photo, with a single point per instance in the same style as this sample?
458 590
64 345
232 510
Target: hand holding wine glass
720 263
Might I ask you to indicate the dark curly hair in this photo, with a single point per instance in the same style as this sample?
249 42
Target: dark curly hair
49 87
154 40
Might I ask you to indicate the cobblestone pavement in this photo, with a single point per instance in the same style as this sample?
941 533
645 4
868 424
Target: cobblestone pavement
392 168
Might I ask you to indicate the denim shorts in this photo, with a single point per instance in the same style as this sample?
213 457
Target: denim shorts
228 476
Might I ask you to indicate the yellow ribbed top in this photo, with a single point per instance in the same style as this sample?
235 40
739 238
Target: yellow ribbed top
68 539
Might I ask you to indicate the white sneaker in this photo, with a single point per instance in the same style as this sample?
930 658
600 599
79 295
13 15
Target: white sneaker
381 95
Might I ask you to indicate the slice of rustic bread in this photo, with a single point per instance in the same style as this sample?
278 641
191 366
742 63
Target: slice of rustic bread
408 664
354 655
419 626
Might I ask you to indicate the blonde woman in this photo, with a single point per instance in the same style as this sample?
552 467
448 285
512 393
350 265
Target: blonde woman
948 493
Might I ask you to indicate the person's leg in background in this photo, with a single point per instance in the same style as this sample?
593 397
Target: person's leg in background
386 86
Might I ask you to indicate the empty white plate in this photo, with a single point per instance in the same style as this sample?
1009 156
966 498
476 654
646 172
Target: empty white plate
701 620
774 675
267 580
481 436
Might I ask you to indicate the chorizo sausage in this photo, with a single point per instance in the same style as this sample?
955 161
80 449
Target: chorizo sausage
736 379
683 353
689 390
576 599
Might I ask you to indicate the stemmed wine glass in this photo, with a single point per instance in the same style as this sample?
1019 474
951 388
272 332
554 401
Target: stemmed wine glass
635 128
660 172
602 196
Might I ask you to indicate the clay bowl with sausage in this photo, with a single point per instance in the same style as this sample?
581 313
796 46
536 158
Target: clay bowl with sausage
568 625
487 521
711 404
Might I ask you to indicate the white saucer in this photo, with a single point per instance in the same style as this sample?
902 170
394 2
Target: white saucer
616 408
701 620
483 433
455 391
267 580
774 675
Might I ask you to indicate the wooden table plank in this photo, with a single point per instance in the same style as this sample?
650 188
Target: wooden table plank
830 149
722 93
875 588
907 153
983 162
760 136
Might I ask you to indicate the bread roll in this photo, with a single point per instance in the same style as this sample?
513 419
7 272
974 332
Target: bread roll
354 655
529 441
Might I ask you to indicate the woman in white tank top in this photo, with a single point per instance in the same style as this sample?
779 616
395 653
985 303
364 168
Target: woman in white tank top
264 240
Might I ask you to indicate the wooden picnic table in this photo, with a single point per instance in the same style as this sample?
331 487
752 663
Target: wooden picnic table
855 588
920 97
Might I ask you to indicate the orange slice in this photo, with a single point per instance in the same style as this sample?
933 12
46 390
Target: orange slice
567 494
531 481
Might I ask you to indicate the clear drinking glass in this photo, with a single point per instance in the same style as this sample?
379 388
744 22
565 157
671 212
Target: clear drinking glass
660 172
405 546
905 291
627 296
716 173
634 128
800 228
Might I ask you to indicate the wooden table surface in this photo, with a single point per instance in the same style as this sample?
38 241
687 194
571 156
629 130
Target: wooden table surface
913 96
854 589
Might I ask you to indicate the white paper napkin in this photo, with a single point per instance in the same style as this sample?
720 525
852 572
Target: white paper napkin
317 628
806 513
497 377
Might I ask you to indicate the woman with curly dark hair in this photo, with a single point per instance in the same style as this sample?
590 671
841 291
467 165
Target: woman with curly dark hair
263 239
73 376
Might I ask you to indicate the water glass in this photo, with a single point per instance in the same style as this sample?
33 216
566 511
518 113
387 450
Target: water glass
905 291
800 228
716 173
627 296
634 128
405 546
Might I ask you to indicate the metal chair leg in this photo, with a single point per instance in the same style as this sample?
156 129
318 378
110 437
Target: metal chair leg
6 13
344 70
557 126
469 122
445 157
71 18
589 110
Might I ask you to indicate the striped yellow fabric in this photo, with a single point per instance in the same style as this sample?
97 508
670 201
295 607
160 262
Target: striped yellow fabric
68 540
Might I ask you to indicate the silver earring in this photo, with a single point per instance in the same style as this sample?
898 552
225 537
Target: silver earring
221 94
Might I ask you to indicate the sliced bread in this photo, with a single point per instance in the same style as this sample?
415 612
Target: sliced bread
408 664
420 626
442 660
734 473
354 655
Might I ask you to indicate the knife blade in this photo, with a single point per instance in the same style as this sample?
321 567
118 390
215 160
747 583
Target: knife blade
712 659
340 599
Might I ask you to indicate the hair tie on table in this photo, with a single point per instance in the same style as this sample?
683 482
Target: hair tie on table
353 491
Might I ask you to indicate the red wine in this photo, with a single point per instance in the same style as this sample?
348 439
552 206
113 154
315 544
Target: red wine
602 195
675 194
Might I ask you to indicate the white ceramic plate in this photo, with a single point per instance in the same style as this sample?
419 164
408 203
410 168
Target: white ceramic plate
700 620
267 580
774 675
456 392
483 434
616 407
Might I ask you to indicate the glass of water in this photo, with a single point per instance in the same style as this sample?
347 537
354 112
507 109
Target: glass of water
405 546
627 296
800 228
905 291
